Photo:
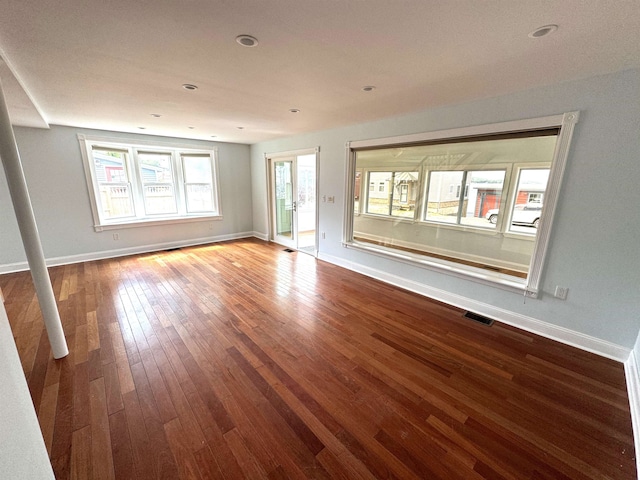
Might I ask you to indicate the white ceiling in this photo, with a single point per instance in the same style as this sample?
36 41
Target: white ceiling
110 64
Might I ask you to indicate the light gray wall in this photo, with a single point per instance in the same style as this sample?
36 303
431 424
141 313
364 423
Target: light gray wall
594 247
55 176
22 448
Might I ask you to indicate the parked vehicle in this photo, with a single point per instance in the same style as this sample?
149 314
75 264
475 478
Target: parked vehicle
526 214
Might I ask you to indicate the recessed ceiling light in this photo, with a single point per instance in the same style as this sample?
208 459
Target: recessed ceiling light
294 110
189 86
240 128
543 31
368 88
213 136
142 128
155 115
191 128
247 40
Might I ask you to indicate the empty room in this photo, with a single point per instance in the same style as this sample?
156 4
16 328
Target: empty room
319 239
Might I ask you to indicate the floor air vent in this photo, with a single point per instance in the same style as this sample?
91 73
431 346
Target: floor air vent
479 318
288 250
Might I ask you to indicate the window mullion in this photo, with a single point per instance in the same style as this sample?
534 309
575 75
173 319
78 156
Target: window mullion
136 184
461 199
179 182
391 188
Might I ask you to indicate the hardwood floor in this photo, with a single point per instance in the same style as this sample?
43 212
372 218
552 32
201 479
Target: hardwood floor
239 360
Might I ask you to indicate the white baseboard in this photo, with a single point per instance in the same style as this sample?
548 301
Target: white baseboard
632 374
261 236
121 252
530 324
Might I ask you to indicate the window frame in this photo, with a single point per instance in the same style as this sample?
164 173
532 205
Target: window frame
133 165
505 219
366 172
531 285
215 201
423 217
142 184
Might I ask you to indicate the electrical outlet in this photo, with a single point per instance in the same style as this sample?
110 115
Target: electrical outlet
116 236
331 199
561 292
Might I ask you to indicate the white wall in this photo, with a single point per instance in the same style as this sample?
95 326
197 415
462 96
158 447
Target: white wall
22 450
55 176
594 246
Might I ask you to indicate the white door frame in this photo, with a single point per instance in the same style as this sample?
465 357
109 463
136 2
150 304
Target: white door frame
292 154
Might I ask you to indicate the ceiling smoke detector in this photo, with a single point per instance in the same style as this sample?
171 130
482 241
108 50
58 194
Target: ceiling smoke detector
294 110
543 31
368 88
247 40
189 86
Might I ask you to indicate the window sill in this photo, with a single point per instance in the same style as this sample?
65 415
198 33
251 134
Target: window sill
118 225
487 277
432 224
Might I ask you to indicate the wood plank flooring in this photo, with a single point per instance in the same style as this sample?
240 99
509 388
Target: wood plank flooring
240 360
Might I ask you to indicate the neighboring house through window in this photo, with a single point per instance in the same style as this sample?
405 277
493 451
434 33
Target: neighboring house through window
138 183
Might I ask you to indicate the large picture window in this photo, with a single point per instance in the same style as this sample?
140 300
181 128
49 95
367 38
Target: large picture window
134 184
476 201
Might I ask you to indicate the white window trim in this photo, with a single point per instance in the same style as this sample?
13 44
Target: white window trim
508 169
176 149
530 286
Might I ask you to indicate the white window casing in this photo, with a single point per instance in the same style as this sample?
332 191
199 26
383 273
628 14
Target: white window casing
171 185
529 286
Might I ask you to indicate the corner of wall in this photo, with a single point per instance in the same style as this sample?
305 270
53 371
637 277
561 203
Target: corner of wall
632 374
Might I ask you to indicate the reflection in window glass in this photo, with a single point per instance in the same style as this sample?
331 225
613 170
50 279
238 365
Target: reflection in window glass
357 193
198 181
527 206
443 205
483 192
115 198
469 187
396 195
158 189
473 209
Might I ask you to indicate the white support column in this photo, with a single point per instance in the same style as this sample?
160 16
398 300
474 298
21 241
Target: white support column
10 159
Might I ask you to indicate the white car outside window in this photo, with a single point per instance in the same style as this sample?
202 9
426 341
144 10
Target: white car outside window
525 214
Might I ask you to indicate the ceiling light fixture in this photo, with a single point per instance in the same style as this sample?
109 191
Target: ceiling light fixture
142 128
189 86
191 128
247 40
294 110
213 136
368 88
155 115
240 128
543 31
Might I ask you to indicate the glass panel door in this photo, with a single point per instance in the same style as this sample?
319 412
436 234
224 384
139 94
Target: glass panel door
284 204
293 185
306 206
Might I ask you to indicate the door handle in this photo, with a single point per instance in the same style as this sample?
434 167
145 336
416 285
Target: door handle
295 206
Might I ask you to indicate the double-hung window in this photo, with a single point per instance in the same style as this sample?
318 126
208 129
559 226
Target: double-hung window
475 201
132 184
198 181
